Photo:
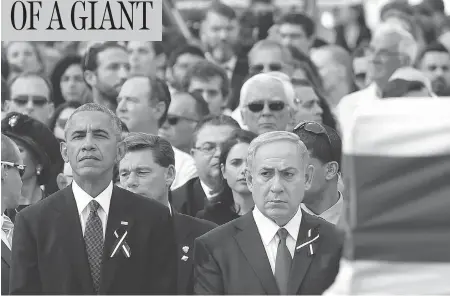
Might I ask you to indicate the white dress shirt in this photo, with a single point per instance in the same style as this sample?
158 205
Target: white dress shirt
333 214
268 232
4 235
83 199
208 191
184 167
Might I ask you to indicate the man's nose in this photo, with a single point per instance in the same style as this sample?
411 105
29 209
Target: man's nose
123 72
266 110
88 143
276 186
132 181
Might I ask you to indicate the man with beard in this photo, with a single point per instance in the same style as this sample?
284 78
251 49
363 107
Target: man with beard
434 61
219 34
106 68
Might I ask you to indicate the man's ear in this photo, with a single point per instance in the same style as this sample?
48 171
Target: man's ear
61 181
121 151
63 149
159 108
332 169
6 106
51 109
90 77
309 176
249 179
170 175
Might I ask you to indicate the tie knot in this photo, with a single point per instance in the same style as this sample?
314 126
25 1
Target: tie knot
282 233
94 205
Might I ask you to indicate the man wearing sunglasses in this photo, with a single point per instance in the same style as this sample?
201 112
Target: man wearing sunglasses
31 94
185 111
12 170
267 102
325 148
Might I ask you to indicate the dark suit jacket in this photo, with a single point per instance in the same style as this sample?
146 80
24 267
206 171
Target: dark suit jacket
6 264
187 229
231 259
190 198
240 73
49 255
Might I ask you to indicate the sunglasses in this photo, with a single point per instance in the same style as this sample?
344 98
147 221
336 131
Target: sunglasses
260 68
38 101
173 120
259 106
315 128
19 167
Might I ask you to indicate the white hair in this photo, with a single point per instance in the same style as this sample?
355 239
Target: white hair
407 45
265 78
276 136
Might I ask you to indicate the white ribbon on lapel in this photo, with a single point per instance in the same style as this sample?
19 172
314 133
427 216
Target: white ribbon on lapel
122 244
309 242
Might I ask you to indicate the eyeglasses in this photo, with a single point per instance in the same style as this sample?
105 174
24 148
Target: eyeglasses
259 106
173 120
259 68
315 128
19 167
38 101
208 147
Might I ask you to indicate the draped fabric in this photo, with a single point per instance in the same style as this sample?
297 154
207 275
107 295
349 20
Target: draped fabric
396 165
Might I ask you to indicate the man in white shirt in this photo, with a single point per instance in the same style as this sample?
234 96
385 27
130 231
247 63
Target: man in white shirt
12 170
391 48
93 237
324 145
142 104
277 248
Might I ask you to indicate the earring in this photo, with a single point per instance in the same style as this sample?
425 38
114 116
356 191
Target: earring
38 170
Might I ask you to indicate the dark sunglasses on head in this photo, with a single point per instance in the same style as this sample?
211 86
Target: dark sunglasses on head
39 101
260 68
19 167
173 120
259 106
315 128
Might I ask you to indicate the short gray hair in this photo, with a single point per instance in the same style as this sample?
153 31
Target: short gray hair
269 77
270 43
275 136
115 121
407 45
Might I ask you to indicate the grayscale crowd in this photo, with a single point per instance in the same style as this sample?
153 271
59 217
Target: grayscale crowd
201 165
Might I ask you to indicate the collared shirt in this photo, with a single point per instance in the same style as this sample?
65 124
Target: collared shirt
227 66
83 199
268 232
185 168
333 214
6 237
208 191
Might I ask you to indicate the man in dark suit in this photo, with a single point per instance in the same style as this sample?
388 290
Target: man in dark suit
148 169
209 134
93 237
277 248
12 170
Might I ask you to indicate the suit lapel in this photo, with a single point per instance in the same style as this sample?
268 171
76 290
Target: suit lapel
252 246
118 212
6 254
183 239
301 261
68 225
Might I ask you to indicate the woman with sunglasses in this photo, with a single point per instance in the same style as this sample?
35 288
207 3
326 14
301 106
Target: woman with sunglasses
39 150
234 199
60 116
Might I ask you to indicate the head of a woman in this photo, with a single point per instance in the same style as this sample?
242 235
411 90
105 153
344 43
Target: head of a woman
24 56
311 104
68 82
38 147
233 161
60 116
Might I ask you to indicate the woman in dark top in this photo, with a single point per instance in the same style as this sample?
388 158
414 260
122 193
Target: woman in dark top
235 199
352 29
39 150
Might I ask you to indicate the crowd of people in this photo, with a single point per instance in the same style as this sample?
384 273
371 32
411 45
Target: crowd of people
209 166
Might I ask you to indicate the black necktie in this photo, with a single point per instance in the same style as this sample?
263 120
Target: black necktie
93 238
283 262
